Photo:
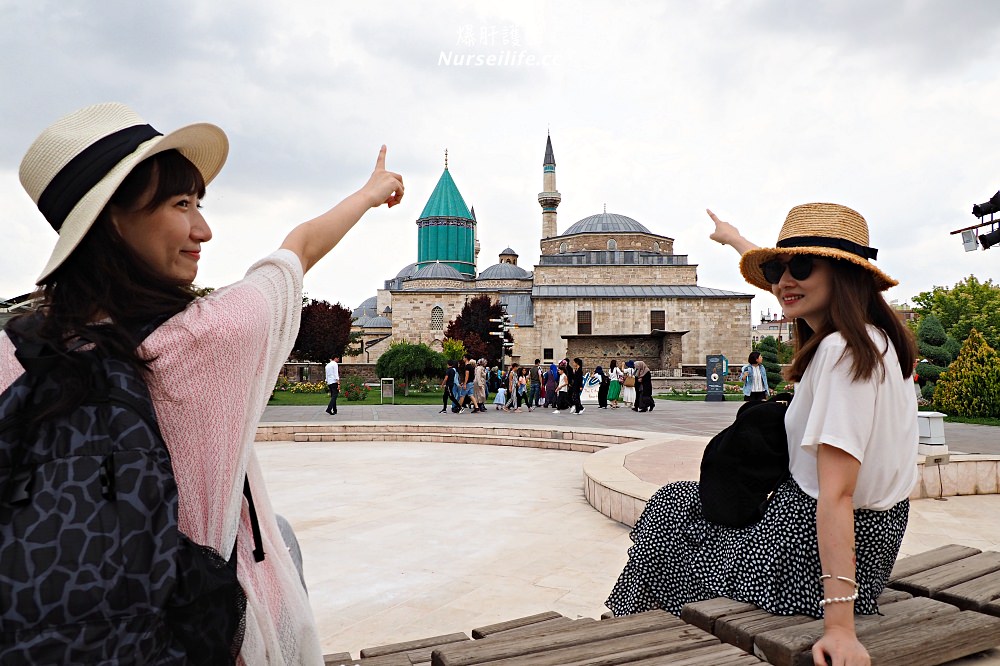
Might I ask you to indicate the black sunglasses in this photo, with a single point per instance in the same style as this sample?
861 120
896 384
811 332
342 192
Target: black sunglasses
800 266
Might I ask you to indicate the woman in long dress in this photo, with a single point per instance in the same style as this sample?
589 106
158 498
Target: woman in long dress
628 392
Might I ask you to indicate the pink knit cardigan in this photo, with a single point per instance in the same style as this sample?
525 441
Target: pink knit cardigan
216 363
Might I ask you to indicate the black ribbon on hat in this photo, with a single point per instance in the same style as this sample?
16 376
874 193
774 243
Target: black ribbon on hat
835 243
86 170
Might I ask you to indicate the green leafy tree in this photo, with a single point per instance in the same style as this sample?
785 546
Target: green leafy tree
768 348
969 304
971 385
473 327
937 350
454 350
325 332
407 361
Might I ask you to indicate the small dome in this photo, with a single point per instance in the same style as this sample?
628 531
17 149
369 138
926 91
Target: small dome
373 322
503 272
407 271
508 251
438 271
366 309
604 223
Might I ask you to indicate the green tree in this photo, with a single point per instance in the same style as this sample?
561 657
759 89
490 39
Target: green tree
454 350
969 304
473 327
768 348
407 361
937 350
971 385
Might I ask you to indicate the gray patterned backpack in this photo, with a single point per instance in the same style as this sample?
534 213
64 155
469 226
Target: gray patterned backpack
93 568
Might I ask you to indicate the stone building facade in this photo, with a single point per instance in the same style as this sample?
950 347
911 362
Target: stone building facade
606 287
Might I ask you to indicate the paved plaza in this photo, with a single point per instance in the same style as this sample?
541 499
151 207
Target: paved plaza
409 540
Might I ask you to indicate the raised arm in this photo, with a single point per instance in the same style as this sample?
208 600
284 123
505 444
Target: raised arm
838 476
727 234
312 240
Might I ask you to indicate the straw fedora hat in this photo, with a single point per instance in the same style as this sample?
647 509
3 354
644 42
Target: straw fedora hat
820 229
74 167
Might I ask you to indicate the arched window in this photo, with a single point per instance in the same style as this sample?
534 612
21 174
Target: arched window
612 244
656 246
563 247
437 318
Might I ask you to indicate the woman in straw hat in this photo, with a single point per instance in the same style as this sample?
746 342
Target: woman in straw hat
125 201
830 535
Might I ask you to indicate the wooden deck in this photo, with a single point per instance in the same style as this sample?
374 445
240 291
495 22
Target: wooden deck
939 606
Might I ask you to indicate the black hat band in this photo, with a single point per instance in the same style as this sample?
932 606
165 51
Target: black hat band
836 243
87 169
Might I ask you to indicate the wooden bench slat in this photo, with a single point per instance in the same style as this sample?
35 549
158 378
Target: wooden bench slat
541 628
781 647
618 650
498 647
483 632
930 560
931 642
932 581
890 596
740 629
409 646
385 660
704 614
974 594
337 658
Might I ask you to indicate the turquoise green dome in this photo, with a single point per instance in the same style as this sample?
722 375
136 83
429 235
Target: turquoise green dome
446 229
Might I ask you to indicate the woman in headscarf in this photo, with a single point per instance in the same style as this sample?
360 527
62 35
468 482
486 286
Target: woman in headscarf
602 390
628 384
551 381
643 388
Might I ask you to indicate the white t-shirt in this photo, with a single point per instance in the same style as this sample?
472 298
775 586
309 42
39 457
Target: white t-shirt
332 373
874 420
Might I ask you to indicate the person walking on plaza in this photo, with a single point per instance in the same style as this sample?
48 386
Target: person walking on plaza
602 390
562 390
628 384
537 385
829 537
125 201
333 383
479 383
576 386
615 387
643 388
754 378
511 385
551 384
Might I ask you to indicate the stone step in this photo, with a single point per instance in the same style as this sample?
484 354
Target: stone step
450 438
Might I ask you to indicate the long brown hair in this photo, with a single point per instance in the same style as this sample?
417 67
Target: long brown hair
855 302
103 279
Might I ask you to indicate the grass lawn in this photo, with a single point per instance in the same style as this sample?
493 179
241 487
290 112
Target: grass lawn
284 398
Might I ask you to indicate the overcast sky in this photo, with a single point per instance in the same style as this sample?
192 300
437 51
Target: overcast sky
657 109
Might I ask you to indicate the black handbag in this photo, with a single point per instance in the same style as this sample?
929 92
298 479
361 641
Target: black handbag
745 463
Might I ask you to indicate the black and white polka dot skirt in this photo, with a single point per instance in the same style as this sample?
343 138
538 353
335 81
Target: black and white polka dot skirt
678 557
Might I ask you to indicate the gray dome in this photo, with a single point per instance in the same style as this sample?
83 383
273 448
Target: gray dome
407 270
438 271
508 251
373 322
604 223
503 272
366 309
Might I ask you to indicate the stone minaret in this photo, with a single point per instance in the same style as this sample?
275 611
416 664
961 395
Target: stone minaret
549 199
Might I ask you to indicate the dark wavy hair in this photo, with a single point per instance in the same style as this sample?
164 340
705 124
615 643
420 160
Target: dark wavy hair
104 292
855 302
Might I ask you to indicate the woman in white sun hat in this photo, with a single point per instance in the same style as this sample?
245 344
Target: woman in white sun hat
125 201
830 535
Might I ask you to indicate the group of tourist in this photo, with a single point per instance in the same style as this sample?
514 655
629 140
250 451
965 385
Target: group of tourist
468 384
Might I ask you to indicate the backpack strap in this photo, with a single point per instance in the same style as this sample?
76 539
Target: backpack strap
258 542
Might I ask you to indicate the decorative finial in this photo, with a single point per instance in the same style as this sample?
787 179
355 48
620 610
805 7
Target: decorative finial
445 159
605 208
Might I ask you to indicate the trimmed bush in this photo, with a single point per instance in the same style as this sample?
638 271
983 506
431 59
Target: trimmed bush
768 348
971 385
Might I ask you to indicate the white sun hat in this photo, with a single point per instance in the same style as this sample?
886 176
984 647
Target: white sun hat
75 165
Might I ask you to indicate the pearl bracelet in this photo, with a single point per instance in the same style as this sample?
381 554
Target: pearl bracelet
836 600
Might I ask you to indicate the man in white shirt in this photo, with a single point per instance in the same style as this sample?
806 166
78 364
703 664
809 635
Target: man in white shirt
333 383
